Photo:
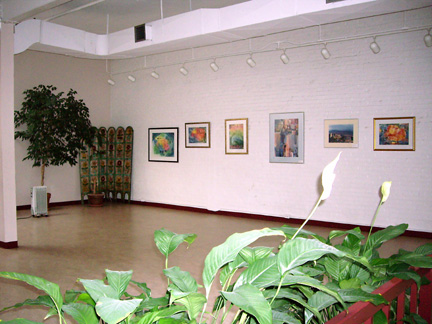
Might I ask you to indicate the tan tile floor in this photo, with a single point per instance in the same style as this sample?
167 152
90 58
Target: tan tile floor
81 242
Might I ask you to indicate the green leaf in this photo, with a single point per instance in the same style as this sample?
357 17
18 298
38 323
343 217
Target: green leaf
390 232
288 294
311 282
355 232
82 313
318 301
20 321
143 287
86 298
251 300
227 251
353 295
167 241
52 289
350 283
284 317
182 279
262 273
44 300
194 303
425 249
297 252
154 302
337 268
380 318
97 289
119 280
416 260
252 254
156 315
113 311
71 296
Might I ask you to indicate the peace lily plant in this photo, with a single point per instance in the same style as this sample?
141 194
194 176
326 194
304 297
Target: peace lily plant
305 279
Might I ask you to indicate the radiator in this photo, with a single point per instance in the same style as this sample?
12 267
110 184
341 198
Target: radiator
39 203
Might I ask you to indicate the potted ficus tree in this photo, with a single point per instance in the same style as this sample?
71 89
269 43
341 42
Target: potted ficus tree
56 126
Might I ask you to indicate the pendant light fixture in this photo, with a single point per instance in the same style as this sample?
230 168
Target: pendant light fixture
374 46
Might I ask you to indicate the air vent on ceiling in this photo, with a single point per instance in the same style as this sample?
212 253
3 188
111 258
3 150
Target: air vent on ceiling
140 33
331 1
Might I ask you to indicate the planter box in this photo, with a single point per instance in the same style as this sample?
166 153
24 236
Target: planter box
395 289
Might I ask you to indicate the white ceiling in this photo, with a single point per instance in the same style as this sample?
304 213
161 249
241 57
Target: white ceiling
100 14
173 28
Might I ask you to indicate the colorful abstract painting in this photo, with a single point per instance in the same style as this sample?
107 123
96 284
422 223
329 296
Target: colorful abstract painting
197 135
286 137
394 134
236 136
163 144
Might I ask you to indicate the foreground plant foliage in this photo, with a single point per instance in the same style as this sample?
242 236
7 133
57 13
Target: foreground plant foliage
305 279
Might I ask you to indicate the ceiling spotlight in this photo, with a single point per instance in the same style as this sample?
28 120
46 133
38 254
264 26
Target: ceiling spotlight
214 66
184 71
111 82
250 62
375 47
284 58
428 39
155 75
131 78
325 52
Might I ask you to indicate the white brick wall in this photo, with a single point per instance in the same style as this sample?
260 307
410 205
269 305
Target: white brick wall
353 83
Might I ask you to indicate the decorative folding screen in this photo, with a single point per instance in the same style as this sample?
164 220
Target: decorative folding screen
106 167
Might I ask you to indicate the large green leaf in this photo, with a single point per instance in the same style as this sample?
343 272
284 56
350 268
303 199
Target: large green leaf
337 268
284 317
353 295
52 289
227 251
378 238
355 232
297 252
20 321
425 249
296 297
311 282
97 289
113 311
416 260
181 279
262 273
119 280
167 241
156 315
251 300
44 300
194 303
82 313
143 287
318 301
252 254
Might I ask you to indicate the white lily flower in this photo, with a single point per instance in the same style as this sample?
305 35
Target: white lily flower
328 177
385 190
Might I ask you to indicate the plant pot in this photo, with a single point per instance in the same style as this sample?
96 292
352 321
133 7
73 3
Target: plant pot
95 200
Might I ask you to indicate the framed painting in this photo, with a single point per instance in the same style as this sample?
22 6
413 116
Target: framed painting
341 133
163 144
236 136
394 134
287 137
197 135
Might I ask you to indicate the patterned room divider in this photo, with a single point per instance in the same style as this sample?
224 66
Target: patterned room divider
106 167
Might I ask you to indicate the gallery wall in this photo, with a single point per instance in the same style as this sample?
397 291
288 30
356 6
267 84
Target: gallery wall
88 78
353 83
